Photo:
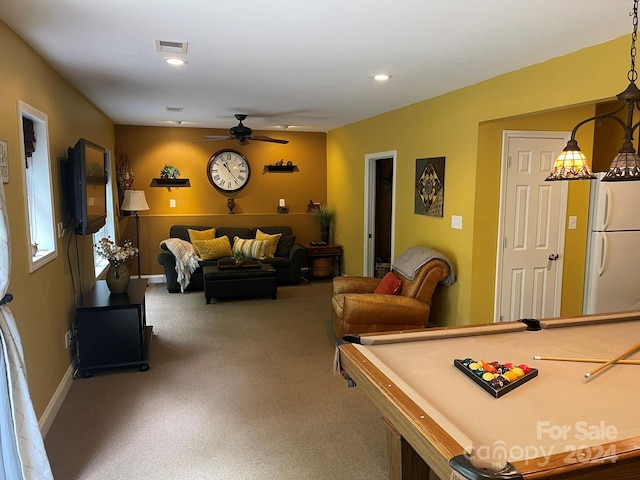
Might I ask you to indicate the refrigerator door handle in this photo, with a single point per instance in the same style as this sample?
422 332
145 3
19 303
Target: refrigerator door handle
603 253
607 206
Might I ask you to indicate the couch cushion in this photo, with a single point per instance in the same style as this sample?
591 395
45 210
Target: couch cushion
208 234
277 262
284 245
250 248
272 239
213 248
233 232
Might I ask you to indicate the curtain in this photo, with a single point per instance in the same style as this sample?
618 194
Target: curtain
29 137
21 445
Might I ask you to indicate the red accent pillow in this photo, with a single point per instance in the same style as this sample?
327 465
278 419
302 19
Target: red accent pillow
390 285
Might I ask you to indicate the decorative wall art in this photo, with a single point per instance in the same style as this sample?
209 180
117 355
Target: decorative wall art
429 198
4 161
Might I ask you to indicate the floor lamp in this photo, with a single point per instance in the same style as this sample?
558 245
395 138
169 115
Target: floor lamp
135 201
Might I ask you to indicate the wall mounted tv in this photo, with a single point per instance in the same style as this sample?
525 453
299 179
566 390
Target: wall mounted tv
87 186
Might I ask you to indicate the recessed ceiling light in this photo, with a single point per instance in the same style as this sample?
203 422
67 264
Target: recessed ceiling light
176 61
381 77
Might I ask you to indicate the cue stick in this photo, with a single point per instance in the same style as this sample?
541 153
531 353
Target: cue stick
613 360
586 360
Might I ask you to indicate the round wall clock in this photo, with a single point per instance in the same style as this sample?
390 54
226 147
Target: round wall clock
228 171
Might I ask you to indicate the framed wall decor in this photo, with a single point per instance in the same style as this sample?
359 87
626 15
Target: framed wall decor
429 197
4 161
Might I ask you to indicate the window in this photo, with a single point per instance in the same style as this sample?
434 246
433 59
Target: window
109 229
38 186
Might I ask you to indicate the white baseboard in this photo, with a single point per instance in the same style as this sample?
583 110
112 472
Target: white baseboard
60 394
155 278
53 408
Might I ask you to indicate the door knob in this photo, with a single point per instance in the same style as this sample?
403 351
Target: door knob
553 257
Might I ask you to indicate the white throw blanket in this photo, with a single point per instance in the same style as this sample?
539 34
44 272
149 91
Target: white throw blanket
413 258
186 259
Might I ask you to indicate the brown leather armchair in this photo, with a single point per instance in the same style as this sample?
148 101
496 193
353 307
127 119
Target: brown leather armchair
356 309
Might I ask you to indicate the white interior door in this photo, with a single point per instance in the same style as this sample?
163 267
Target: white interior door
531 237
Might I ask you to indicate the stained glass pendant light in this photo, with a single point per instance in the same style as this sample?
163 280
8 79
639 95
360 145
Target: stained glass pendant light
571 163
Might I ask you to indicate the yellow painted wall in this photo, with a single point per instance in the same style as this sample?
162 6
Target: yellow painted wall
449 126
148 149
43 304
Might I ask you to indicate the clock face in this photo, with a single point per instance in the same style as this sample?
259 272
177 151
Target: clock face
228 171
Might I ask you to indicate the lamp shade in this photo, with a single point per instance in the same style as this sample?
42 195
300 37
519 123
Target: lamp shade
134 201
625 166
571 164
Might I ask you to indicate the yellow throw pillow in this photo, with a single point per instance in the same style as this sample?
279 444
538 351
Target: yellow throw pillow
213 249
273 242
250 248
194 235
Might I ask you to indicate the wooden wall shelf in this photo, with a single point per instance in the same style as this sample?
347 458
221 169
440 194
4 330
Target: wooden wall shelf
170 182
280 169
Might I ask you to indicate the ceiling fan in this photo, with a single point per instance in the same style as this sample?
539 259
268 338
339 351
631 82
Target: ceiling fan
243 134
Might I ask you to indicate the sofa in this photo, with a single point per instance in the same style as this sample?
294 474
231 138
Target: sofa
287 259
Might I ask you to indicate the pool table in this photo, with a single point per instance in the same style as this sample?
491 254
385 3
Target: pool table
558 425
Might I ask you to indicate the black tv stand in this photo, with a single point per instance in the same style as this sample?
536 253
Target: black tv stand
111 329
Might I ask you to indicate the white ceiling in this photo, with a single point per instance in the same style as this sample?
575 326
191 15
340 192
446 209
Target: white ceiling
302 63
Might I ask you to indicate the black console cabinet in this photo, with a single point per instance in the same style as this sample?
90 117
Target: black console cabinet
111 329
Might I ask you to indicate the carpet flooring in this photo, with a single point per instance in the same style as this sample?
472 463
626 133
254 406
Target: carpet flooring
237 390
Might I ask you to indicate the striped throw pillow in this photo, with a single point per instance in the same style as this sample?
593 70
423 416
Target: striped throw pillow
250 248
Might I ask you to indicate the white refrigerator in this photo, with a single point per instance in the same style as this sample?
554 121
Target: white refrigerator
612 276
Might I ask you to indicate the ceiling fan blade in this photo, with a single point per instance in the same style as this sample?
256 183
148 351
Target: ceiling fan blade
262 138
213 138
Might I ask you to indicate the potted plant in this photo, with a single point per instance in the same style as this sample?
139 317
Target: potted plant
324 215
238 256
169 171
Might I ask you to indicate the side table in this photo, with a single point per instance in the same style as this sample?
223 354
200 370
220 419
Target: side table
331 252
111 329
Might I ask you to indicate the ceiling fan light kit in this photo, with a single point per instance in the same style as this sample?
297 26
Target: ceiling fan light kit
571 163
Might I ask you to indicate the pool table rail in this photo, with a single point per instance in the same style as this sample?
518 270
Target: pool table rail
425 436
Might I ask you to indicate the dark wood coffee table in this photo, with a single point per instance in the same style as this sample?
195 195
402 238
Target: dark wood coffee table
252 279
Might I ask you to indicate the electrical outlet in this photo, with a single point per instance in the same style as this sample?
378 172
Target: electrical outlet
172 203
67 339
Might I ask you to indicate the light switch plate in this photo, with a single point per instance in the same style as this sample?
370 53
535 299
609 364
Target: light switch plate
573 222
456 222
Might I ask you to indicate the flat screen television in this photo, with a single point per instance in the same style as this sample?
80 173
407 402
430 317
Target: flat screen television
87 186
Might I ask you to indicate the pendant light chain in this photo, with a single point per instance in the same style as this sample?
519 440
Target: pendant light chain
571 163
633 75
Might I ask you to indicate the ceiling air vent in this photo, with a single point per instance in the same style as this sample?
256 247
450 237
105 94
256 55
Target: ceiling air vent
163 46
174 109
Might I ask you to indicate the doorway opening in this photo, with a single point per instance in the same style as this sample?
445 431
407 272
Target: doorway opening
380 175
